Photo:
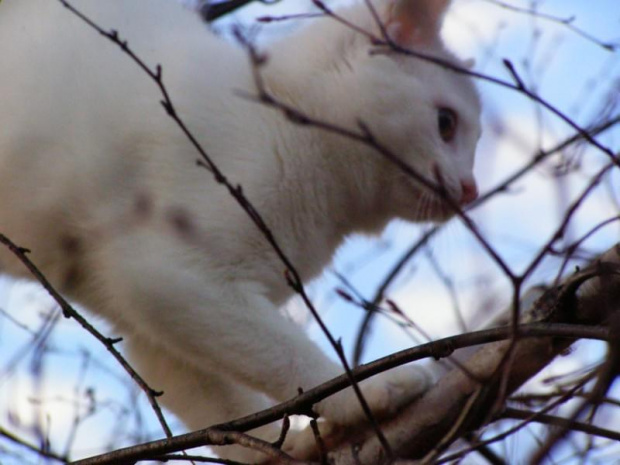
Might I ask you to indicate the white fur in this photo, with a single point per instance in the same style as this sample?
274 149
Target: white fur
103 187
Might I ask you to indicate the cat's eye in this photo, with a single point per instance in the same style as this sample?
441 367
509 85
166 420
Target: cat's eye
446 123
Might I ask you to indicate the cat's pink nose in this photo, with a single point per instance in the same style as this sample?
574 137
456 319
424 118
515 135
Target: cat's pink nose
469 192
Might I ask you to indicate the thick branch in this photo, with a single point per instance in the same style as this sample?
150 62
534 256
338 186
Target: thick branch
460 402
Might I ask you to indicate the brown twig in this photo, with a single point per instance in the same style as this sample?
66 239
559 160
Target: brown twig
384 43
365 326
436 349
419 427
364 135
607 374
292 275
532 416
564 423
209 437
70 312
39 451
567 22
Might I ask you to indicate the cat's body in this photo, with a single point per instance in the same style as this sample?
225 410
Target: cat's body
104 189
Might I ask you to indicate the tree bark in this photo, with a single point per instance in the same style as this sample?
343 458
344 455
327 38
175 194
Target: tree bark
467 397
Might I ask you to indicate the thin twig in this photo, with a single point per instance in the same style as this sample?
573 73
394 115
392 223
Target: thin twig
567 22
292 275
386 44
533 416
564 423
23 443
70 312
436 349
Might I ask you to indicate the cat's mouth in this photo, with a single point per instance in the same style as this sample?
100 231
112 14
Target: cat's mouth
441 211
436 208
443 204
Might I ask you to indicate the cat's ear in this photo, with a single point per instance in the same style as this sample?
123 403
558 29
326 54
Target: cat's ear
413 23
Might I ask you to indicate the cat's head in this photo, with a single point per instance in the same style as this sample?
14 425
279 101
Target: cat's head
425 114
429 118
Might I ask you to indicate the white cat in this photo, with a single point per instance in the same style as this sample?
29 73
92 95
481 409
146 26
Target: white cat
103 187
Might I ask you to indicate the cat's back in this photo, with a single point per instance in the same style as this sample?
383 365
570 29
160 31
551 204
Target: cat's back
53 61
82 128
73 105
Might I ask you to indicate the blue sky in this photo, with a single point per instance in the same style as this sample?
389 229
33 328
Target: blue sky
569 71
516 223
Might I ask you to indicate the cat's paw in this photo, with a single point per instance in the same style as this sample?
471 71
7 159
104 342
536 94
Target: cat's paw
302 444
384 393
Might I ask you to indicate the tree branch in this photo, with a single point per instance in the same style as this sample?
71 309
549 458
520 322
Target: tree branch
588 297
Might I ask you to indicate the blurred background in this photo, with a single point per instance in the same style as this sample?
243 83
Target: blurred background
61 391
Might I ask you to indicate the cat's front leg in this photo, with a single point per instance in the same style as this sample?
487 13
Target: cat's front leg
202 317
201 397
384 393
211 323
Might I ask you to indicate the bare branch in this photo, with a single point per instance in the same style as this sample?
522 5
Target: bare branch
41 452
568 22
209 437
70 312
419 427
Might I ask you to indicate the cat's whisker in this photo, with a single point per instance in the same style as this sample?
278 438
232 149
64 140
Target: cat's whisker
194 281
